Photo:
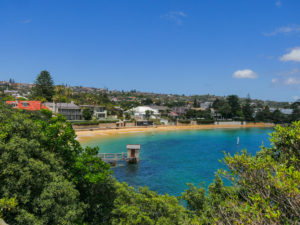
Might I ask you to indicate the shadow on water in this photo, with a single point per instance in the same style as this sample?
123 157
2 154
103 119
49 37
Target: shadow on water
132 169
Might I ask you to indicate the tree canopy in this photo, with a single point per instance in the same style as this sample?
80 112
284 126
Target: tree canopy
48 178
43 86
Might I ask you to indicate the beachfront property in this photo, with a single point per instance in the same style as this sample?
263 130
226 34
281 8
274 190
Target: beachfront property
27 105
163 110
70 110
99 112
144 123
141 112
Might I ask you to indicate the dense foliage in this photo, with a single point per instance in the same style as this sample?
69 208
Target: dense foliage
265 188
48 178
87 114
43 86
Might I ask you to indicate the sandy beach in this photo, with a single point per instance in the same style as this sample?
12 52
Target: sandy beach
88 135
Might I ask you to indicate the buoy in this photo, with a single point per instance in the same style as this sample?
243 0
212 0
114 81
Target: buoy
238 141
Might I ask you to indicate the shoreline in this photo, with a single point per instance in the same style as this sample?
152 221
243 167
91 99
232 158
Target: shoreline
89 135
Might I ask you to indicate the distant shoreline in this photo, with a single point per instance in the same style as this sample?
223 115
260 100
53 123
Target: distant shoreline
89 135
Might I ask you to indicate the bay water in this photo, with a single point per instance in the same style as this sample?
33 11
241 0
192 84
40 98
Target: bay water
170 159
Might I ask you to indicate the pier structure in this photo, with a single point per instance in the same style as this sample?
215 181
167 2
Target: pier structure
133 153
131 156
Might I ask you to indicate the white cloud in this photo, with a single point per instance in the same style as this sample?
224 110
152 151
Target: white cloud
291 81
244 74
293 55
289 78
278 3
290 29
295 98
175 16
27 21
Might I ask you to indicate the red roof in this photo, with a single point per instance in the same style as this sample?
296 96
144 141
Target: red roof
28 105
173 114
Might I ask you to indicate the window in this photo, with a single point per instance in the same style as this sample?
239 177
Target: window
25 104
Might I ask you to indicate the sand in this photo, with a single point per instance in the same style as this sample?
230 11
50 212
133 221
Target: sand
88 135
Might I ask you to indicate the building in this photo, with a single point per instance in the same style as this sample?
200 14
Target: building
144 123
179 110
69 110
206 105
286 111
174 115
27 105
141 111
283 111
11 92
97 111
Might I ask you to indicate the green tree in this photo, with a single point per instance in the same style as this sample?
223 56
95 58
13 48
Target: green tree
248 110
195 104
265 188
43 86
148 114
295 115
278 117
264 116
145 207
234 104
147 101
31 172
6 204
225 110
86 114
53 179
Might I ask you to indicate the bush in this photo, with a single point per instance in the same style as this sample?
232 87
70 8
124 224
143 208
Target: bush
85 123
184 121
95 122
46 176
205 121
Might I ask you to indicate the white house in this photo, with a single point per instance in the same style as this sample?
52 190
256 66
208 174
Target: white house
98 111
206 105
140 112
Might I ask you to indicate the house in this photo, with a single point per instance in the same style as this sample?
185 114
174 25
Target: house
11 92
69 110
283 111
172 114
27 105
97 111
141 111
206 105
286 111
180 110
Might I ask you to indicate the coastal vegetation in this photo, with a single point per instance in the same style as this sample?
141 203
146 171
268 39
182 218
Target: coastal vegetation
200 108
47 177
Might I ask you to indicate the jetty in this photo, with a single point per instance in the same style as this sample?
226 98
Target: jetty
131 156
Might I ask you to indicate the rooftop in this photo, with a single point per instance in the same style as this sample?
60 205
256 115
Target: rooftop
28 105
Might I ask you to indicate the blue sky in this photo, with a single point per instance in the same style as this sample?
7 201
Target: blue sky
185 47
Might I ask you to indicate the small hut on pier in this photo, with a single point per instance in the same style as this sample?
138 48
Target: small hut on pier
133 153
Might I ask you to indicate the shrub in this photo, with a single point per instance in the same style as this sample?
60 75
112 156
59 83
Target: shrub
205 121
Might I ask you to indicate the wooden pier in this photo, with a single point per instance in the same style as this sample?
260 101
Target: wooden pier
132 155
113 156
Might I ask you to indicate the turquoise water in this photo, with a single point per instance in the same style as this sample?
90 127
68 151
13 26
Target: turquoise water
169 160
